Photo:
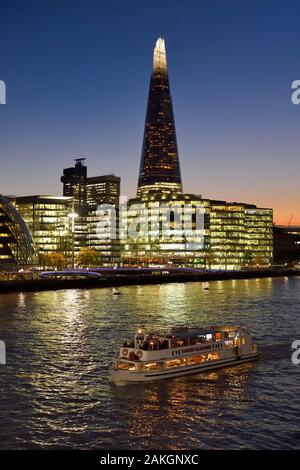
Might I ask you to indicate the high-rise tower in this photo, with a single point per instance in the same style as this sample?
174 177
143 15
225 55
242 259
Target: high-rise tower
160 169
74 180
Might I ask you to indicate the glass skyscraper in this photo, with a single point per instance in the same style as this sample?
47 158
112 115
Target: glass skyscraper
160 169
233 234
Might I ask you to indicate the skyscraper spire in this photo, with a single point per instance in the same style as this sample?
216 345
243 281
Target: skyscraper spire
160 57
159 169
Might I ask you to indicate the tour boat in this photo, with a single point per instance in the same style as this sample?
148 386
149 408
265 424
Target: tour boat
180 351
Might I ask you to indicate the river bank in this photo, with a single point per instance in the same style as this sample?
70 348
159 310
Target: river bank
114 280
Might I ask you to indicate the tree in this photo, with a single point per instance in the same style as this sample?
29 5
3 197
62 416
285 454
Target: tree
248 257
53 260
87 257
258 260
210 260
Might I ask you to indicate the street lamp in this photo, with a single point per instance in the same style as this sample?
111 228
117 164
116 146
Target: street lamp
73 216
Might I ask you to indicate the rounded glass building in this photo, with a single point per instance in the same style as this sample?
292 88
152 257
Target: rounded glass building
16 244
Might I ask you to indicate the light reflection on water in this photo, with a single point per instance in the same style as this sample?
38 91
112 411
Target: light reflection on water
55 393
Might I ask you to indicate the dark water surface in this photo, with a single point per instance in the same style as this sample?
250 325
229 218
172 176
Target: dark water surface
54 391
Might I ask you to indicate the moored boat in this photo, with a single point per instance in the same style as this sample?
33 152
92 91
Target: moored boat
180 351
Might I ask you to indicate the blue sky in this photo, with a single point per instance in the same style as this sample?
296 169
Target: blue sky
77 75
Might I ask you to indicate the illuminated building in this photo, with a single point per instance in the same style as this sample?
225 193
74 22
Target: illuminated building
74 181
227 235
87 191
96 235
258 235
240 235
180 243
159 169
48 221
16 244
233 235
102 190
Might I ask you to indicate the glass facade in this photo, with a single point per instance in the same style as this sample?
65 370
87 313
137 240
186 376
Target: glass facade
258 235
48 221
159 169
227 235
88 193
16 244
168 232
231 235
99 223
102 190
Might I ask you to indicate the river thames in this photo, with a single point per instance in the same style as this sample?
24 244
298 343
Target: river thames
55 392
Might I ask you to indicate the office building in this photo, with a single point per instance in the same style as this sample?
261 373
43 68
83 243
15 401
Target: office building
74 183
89 192
102 190
47 218
232 235
16 244
159 169
286 244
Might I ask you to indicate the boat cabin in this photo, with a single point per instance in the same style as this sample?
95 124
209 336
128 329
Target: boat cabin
179 341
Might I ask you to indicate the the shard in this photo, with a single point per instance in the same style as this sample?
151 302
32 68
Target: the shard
160 169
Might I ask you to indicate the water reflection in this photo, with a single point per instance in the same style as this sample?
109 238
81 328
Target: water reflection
20 301
162 410
55 393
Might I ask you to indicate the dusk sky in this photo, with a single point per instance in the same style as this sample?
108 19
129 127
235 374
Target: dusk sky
77 76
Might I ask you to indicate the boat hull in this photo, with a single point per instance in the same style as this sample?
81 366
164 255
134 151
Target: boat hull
132 376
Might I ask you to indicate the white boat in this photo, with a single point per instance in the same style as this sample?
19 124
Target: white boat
181 351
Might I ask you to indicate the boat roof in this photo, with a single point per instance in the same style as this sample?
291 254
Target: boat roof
183 331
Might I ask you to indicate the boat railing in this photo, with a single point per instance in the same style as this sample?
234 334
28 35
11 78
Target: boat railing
186 327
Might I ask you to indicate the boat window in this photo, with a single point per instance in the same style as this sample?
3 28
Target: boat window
243 340
218 336
126 365
179 362
213 356
199 358
179 342
152 366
